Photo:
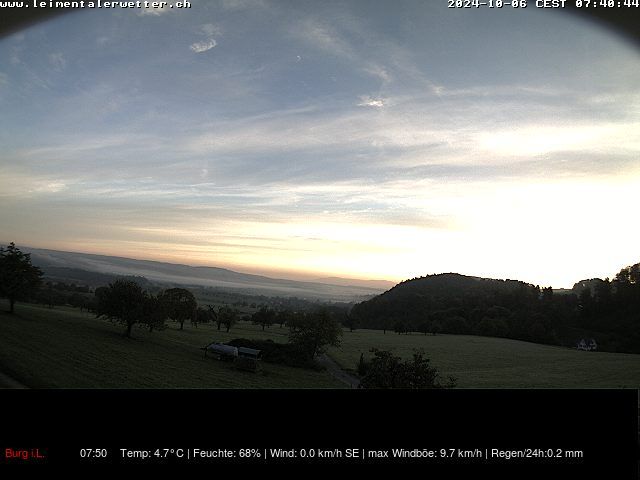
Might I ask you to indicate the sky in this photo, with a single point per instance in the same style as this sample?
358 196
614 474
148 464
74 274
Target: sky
302 139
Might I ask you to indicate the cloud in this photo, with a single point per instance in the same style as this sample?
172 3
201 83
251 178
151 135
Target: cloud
242 4
58 61
4 79
154 11
200 47
209 30
380 72
323 37
367 101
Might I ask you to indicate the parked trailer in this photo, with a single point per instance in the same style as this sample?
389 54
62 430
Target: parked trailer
247 359
249 352
224 352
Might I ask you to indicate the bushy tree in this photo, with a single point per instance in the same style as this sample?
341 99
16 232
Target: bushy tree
154 312
180 303
400 327
227 316
314 332
283 317
351 321
264 317
122 301
18 278
204 315
386 370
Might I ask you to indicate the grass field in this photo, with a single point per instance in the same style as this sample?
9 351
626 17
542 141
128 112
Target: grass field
484 362
64 348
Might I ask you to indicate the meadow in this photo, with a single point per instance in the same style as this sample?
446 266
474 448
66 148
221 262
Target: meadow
487 362
65 348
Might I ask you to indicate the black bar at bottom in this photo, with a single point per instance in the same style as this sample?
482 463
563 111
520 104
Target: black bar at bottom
580 433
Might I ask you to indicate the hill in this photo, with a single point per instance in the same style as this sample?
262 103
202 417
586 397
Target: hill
98 270
459 304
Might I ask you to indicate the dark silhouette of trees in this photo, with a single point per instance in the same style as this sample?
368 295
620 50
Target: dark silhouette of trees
386 370
400 327
204 315
154 312
350 321
122 301
457 304
264 317
313 332
283 317
227 316
180 303
18 278
424 327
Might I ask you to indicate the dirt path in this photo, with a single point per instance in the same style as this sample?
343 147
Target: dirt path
337 372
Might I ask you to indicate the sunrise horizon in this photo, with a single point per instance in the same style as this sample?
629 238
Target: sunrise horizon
305 276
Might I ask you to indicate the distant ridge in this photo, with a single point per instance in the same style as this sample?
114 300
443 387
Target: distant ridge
75 265
380 284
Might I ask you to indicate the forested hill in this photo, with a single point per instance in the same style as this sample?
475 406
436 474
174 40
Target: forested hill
445 301
459 304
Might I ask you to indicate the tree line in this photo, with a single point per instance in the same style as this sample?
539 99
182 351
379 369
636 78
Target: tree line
456 304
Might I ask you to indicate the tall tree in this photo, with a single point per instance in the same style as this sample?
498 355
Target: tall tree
181 305
227 316
350 320
154 312
283 317
18 278
214 315
264 317
203 315
314 332
122 301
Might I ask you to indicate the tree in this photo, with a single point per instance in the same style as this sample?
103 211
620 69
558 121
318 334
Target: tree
386 324
227 316
283 317
399 327
122 301
314 332
350 320
203 315
18 278
181 305
154 312
388 371
265 317
424 327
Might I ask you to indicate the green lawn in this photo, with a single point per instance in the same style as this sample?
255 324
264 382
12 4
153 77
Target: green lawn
484 362
64 348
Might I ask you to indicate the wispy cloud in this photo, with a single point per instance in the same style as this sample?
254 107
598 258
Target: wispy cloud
243 4
154 11
367 101
58 61
209 30
323 37
200 47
